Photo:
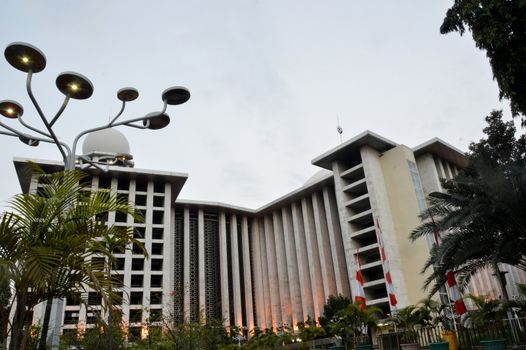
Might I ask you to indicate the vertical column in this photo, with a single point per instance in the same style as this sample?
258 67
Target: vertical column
313 257
201 258
307 305
335 241
292 266
281 260
258 275
247 273
265 276
236 282
186 265
223 269
337 169
272 272
324 247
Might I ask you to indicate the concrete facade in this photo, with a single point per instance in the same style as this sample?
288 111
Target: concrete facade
278 264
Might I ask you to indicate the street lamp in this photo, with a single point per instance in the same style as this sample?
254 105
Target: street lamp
29 59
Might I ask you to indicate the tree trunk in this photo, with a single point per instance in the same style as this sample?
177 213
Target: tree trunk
45 325
18 324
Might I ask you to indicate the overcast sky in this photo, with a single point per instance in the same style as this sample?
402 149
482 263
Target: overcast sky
269 80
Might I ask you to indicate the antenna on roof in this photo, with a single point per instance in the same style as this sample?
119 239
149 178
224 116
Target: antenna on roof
339 128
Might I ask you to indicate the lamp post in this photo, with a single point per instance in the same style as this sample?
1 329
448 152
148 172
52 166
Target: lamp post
29 59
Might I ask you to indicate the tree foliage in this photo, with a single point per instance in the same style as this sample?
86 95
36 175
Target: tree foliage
499 28
483 219
46 240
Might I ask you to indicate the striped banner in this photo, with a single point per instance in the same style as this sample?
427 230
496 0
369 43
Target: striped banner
386 268
454 292
359 293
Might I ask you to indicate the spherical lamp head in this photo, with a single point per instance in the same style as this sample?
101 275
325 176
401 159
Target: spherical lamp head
11 109
29 141
127 94
155 120
75 85
176 95
25 57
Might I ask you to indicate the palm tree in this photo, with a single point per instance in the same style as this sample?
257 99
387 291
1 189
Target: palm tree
46 242
484 212
353 320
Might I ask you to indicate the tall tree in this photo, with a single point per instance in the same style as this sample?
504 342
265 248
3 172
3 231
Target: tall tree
483 216
499 28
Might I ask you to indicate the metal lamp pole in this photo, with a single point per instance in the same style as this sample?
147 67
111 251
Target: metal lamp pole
29 59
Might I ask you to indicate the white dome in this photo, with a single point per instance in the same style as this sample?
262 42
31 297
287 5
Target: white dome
317 177
106 141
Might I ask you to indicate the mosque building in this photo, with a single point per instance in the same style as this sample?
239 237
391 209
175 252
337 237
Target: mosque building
278 264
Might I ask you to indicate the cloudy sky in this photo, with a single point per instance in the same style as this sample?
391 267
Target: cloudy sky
269 80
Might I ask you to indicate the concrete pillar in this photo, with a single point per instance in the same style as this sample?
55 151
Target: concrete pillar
275 299
223 269
281 260
324 247
267 303
292 266
247 273
201 258
305 287
313 257
236 281
336 244
258 275
186 265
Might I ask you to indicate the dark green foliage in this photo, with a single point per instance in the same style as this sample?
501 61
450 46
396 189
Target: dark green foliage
499 28
485 215
333 305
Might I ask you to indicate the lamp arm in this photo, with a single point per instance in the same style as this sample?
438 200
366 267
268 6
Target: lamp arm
138 126
118 114
61 109
43 117
32 128
16 133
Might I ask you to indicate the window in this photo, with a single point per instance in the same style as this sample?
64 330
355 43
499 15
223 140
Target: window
140 199
157 264
137 264
136 316
134 334
121 217
139 233
158 217
158 201
119 264
157 249
156 297
73 299
136 280
136 249
105 182
135 298
123 184
158 187
118 281
71 317
156 281
94 298
141 185
92 317
156 315
157 233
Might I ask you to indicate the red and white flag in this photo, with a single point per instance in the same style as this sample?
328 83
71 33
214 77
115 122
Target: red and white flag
454 292
359 293
386 268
